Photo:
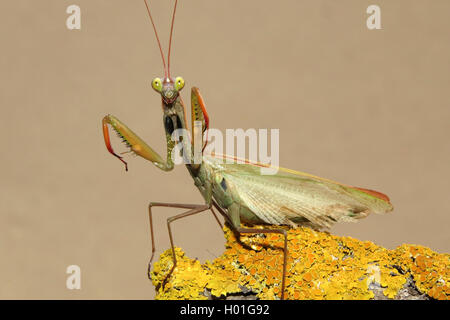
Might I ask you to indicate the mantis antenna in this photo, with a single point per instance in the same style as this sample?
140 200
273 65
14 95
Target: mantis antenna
166 67
157 38
170 39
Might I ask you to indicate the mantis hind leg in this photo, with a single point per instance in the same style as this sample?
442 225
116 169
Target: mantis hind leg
241 230
234 221
194 208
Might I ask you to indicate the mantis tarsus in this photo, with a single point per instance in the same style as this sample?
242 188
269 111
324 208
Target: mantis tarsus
239 191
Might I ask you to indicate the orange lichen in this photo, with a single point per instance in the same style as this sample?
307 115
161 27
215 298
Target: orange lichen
319 266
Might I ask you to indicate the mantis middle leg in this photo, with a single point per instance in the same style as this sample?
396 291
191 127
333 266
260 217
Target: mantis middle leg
193 209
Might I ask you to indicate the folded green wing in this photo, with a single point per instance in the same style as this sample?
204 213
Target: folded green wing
291 197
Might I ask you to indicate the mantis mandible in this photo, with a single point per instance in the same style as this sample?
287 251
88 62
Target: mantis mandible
238 190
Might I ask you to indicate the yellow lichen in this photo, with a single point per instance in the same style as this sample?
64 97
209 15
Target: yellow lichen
319 266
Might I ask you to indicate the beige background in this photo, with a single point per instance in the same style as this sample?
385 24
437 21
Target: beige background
367 108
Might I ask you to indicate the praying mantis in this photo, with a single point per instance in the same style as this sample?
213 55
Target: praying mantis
238 190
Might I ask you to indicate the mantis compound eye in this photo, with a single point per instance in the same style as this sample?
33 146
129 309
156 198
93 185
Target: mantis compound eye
179 83
157 84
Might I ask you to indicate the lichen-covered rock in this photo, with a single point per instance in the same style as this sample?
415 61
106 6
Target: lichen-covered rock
320 266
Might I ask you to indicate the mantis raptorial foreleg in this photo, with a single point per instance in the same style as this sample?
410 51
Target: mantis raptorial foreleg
135 143
199 113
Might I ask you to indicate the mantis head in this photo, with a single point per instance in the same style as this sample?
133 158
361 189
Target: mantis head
174 113
168 88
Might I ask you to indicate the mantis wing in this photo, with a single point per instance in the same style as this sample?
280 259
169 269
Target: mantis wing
290 197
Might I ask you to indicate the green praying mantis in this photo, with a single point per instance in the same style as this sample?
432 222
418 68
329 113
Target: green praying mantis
238 190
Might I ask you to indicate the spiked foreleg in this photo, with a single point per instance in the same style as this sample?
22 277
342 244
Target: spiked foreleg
135 143
198 113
